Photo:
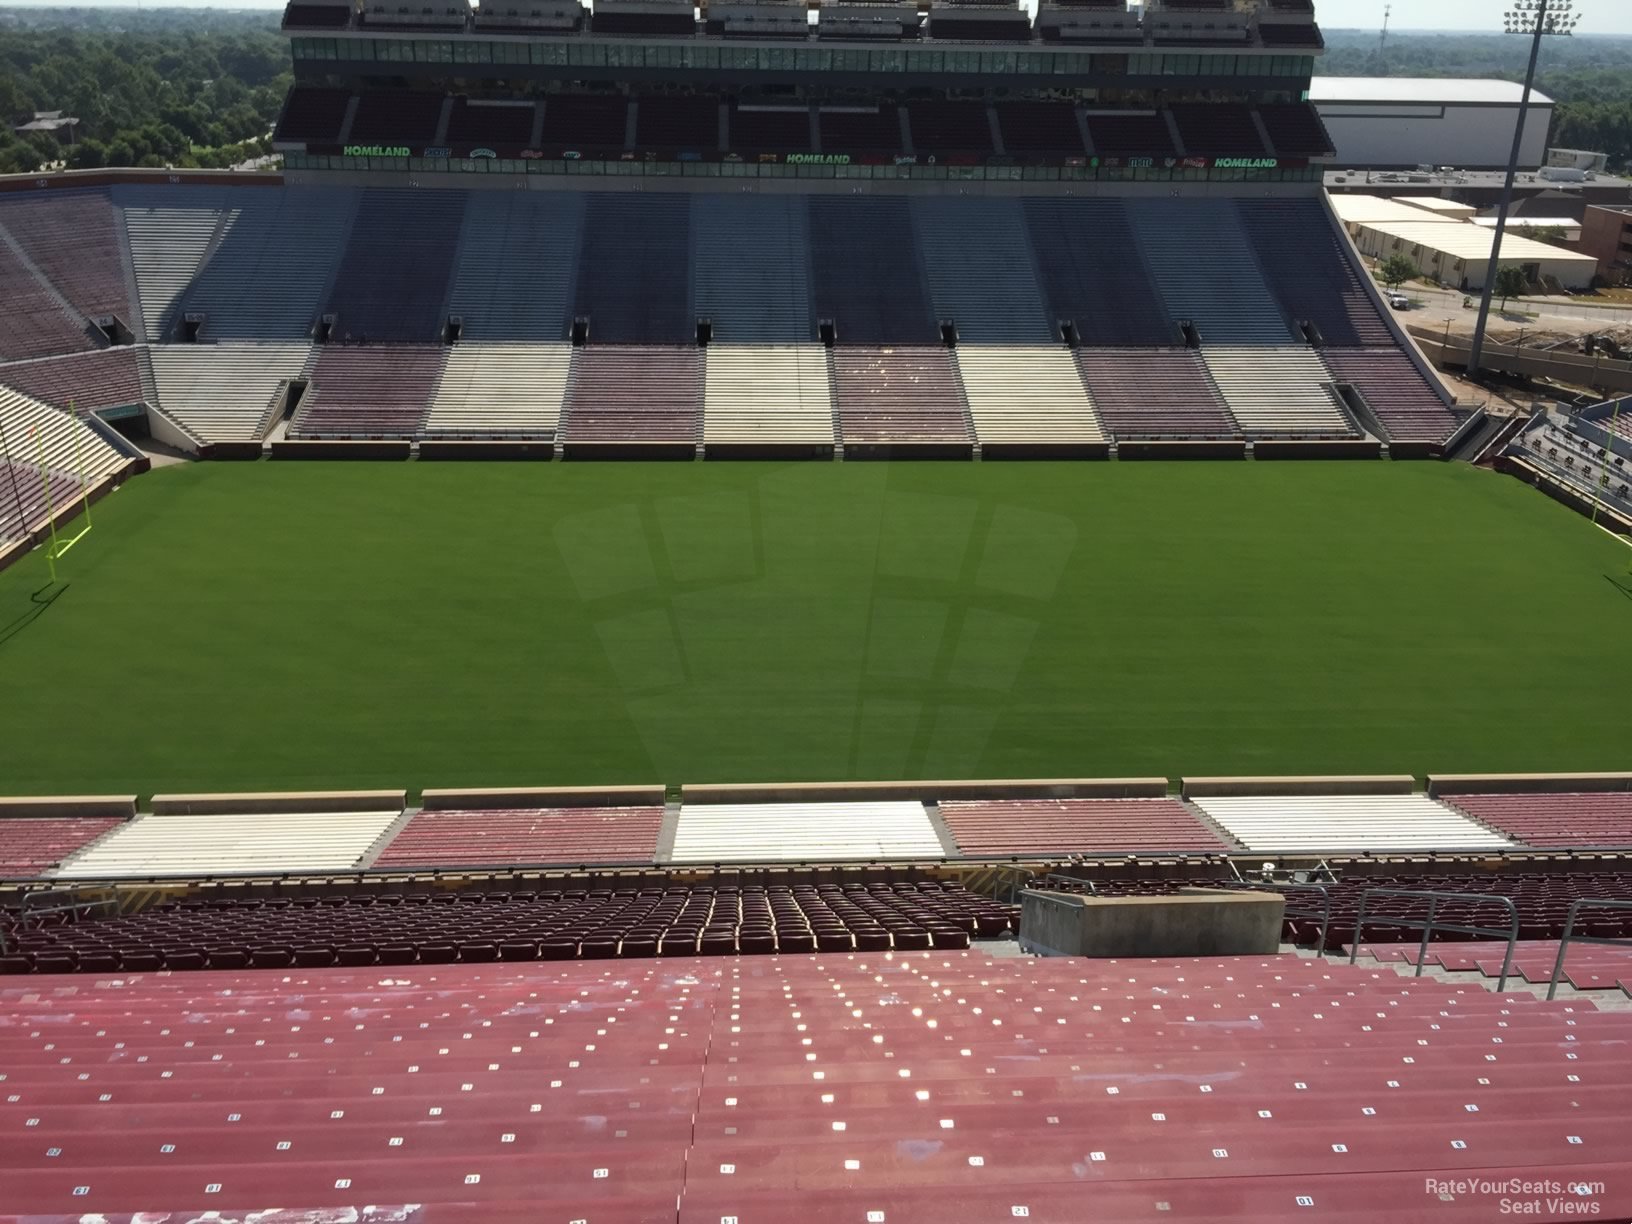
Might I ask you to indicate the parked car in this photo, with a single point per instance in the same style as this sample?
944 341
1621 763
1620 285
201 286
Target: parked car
1399 301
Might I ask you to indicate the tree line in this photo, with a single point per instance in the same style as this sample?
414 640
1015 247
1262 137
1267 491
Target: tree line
159 88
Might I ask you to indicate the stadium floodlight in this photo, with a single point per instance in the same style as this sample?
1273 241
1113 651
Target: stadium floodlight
1535 18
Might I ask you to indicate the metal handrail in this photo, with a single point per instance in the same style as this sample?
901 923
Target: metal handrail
1601 941
70 907
1325 914
1429 926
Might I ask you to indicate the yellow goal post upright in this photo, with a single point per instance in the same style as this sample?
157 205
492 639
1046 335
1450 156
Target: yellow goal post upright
59 546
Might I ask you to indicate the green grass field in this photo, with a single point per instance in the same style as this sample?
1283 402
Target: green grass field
299 625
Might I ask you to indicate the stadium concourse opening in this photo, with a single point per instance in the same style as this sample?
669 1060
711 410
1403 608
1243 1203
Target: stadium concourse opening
354 862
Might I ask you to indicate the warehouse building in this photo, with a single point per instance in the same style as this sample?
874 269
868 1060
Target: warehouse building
1399 123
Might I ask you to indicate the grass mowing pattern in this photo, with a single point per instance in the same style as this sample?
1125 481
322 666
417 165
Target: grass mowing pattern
288 625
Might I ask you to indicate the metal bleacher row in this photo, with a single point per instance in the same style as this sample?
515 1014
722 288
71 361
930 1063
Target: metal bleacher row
381 833
910 1087
1167 345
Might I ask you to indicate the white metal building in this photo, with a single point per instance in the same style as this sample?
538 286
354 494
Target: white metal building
1459 254
1402 122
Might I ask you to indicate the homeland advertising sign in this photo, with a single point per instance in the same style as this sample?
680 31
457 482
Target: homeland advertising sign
377 151
1245 163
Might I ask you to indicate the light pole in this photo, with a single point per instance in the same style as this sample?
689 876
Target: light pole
1535 18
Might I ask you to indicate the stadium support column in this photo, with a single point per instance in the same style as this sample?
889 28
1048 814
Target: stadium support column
1536 18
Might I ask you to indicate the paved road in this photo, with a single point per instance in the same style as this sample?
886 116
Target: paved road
1567 313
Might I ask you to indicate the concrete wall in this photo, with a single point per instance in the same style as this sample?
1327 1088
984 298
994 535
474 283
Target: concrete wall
1606 235
1526 784
544 796
1315 784
1403 135
852 792
272 802
1192 922
121 807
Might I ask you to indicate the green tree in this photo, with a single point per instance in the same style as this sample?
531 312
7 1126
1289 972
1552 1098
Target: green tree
1510 283
1397 269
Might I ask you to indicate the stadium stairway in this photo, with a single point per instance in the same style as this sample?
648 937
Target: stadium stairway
1224 295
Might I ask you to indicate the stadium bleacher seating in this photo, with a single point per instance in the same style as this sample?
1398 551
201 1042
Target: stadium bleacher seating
1039 127
313 114
107 378
224 392
517 255
754 1091
780 128
72 238
861 130
1076 826
865 271
216 844
378 391
1295 129
634 269
167 247
392 115
317 16
1093 274
70 451
635 393
1271 391
980 271
943 128
1155 393
38 325
485 122
1218 130
1130 135
1399 396
27 495
1309 274
903 394
251 289
803 832
1321 823
779 393
682 122
1027 395
586 122
501 391
525 835
1224 295
31 845
517 925
394 275
752 268
1570 819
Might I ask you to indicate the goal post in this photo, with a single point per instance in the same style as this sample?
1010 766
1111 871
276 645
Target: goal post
60 544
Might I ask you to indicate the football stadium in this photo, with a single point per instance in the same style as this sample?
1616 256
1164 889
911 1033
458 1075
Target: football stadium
851 612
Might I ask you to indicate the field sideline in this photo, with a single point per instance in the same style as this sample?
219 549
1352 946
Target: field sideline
304 625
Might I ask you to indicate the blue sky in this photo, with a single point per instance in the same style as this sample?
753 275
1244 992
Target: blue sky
1598 16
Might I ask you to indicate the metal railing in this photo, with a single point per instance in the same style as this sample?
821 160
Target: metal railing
55 904
1323 914
1429 926
1623 941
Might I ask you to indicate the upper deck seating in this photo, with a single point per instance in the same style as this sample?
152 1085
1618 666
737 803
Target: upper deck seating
1223 294
1307 267
980 271
861 130
945 128
409 116
37 325
168 244
393 281
771 129
586 122
752 267
517 258
72 238
1115 134
483 122
313 114
83 382
1295 130
1040 127
1215 130
680 123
